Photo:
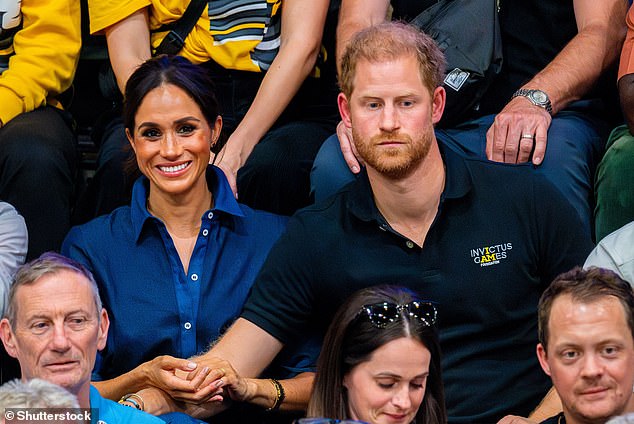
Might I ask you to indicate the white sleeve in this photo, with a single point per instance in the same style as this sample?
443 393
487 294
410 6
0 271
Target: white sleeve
615 252
13 247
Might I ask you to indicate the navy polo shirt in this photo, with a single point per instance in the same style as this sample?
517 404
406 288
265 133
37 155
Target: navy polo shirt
499 238
155 307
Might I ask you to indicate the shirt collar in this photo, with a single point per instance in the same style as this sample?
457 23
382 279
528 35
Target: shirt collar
224 200
458 182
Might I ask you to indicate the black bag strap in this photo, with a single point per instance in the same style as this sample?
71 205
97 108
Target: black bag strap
178 30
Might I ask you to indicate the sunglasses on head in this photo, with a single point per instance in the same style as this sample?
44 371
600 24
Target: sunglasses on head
381 314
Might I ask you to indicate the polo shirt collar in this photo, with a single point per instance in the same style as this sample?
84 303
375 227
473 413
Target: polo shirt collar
458 182
224 200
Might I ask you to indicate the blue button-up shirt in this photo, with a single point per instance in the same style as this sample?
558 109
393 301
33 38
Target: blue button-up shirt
155 307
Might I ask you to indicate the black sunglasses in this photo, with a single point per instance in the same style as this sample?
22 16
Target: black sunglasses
381 314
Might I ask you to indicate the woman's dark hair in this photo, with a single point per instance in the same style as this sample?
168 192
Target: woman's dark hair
351 340
174 70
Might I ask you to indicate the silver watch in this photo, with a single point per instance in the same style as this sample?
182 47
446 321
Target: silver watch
536 97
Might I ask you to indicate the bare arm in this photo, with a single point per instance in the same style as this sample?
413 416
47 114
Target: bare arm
159 372
300 42
232 363
128 45
567 78
355 15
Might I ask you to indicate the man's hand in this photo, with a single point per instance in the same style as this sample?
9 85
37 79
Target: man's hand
344 134
222 375
520 129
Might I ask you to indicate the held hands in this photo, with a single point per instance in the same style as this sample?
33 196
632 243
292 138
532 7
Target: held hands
519 129
170 375
221 376
344 134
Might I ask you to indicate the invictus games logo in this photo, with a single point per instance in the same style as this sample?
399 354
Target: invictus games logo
491 255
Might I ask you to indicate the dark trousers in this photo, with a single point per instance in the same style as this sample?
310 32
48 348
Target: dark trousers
37 174
276 176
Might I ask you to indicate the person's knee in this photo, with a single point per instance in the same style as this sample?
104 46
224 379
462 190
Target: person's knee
614 192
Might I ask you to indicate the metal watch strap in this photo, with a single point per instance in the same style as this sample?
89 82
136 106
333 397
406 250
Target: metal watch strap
524 92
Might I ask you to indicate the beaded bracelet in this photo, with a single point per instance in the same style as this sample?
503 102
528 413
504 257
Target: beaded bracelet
134 399
279 395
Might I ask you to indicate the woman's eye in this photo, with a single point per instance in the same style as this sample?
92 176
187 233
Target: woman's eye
186 129
386 384
151 133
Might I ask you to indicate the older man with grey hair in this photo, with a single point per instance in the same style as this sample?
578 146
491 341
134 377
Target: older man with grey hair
54 325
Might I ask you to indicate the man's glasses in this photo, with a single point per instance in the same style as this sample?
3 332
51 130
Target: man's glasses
381 314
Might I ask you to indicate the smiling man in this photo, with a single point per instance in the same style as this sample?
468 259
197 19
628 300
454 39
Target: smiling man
54 325
586 332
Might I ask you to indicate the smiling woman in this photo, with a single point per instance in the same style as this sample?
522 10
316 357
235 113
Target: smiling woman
175 267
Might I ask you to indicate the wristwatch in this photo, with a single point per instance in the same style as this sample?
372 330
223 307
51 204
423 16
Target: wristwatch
536 97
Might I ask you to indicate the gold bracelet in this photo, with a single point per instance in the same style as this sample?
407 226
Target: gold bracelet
279 395
135 399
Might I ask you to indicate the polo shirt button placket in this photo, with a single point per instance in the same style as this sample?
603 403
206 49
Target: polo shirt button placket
194 277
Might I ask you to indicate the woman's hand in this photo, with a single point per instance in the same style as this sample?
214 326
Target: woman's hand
170 375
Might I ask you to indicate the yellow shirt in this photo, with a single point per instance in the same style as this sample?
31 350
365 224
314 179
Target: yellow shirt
236 34
39 50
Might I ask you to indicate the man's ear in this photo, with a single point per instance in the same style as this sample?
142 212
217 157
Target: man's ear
8 338
543 358
344 110
439 99
104 324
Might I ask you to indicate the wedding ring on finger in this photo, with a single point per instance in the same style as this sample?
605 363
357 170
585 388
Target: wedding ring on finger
527 136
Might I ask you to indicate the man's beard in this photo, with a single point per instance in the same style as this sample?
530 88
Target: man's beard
395 162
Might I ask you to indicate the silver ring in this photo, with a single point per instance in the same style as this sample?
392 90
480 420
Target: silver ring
527 136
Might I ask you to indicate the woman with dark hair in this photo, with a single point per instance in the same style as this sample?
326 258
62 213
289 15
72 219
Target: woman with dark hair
380 361
175 267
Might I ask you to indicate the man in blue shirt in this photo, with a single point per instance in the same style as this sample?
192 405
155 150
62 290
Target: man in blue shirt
54 326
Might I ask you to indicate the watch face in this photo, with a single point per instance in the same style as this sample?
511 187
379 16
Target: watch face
539 97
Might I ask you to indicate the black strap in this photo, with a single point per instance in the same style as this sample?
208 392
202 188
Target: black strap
178 30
